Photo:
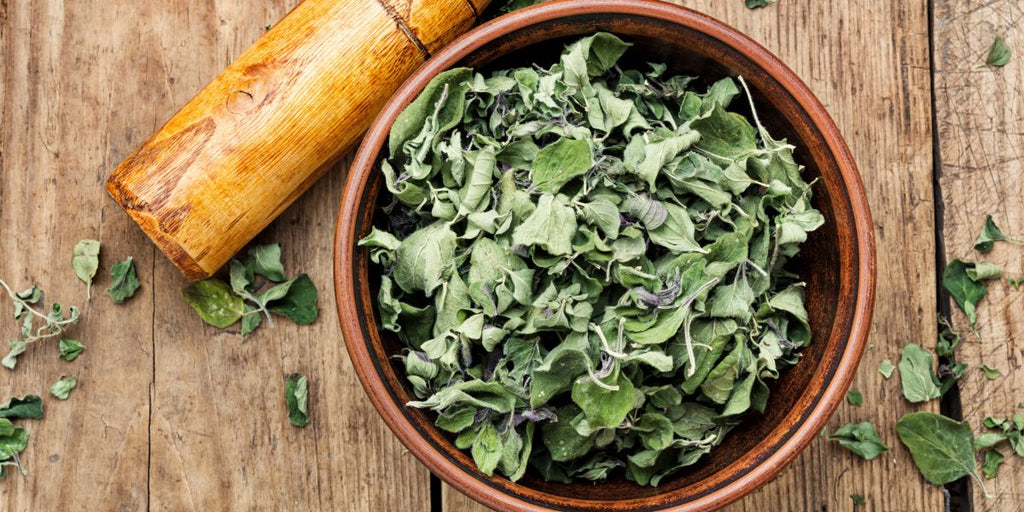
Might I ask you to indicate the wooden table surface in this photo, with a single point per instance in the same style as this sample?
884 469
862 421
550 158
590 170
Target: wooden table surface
170 414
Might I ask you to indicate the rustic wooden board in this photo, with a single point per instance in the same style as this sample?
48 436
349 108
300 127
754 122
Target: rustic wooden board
168 415
978 113
868 64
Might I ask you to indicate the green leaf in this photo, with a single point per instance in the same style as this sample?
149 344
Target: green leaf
251 319
559 162
266 261
445 95
213 300
422 258
991 373
998 54
725 135
85 259
30 406
919 383
299 304
993 458
70 349
885 368
964 290
733 300
857 498
984 271
990 233
755 4
124 281
63 387
551 227
487 449
13 444
942 448
677 233
604 407
10 361
854 397
861 439
296 396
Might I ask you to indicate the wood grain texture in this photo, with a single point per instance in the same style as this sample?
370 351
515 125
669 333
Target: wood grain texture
220 439
167 415
267 127
62 120
868 62
979 113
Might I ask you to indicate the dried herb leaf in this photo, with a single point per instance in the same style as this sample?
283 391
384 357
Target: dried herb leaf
70 349
85 259
964 290
855 398
919 383
885 368
942 448
990 468
30 406
296 395
214 301
125 282
63 387
861 439
998 54
991 373
990 233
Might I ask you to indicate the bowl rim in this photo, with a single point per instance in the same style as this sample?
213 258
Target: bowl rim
376 137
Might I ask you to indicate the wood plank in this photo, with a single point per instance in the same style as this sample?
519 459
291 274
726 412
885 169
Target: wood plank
978 112
64 123
220 435
868 63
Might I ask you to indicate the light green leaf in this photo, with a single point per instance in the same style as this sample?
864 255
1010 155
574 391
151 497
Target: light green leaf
918 381
266 261
214 301
63 387
70 349
550 227
125 282
999 53
296 397
85 259
942 448
861 439
559 162
423 256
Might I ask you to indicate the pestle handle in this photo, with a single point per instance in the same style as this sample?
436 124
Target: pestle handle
253 140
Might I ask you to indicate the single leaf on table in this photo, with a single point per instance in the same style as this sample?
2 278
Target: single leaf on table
855 398
63 387
885 368
964 290
29 406
991 373
755 4
999 53
857 498
10 361
942 448
266 261
990 233
70 349
125 282
85 260
916 375
214 301
993 458
984 271
861 439
296 396
11 445
559 162
299 304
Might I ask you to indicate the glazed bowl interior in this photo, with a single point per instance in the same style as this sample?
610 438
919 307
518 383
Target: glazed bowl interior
836 262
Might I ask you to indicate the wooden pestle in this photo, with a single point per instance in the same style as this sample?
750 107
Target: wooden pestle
253 140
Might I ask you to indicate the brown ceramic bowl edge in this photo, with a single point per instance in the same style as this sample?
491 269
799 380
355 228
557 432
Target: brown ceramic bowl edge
366 158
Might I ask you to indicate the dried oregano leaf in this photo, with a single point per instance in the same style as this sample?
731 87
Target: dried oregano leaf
587 263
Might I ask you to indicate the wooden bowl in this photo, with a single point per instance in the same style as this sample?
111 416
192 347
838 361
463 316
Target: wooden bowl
837 262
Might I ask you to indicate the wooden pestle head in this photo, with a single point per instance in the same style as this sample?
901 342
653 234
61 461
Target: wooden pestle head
272 123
